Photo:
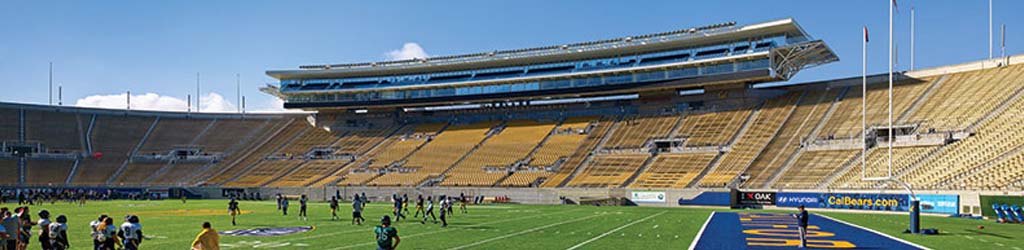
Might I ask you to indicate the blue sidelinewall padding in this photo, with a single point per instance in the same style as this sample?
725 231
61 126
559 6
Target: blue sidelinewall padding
779 231
708 199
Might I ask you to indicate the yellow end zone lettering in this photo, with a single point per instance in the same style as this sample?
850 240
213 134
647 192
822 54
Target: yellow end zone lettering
773 242
787 233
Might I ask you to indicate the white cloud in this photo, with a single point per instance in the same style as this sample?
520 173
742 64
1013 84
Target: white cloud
408 51
211 102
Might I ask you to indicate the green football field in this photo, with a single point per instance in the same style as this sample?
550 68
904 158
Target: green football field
172 225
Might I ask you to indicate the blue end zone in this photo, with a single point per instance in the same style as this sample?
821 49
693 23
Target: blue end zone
728 230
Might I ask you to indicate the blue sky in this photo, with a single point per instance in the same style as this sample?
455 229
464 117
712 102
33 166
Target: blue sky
109 47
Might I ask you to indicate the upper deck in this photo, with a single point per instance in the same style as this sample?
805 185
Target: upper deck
766 51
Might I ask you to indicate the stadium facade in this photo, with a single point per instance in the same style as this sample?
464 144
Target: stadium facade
675 111
680 59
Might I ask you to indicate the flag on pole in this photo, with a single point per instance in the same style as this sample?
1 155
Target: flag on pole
866 33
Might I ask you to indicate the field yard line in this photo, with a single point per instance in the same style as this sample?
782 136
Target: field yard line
478 224
873 231
614 230
700 233
325 235
525 231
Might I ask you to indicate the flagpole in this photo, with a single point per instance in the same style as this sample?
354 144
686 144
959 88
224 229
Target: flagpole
238 91
891 136
51 84
864 105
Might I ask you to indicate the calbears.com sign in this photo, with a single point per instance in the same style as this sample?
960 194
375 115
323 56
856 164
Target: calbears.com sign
646 196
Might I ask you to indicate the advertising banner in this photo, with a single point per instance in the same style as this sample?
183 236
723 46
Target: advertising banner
884 202
649 197
798 199
756 198
939 203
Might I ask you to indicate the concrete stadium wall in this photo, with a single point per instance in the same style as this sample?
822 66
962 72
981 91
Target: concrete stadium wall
969 200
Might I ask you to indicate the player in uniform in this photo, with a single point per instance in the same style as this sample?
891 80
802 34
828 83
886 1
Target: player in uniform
419 207
446 204
405 203
334 208
44 232
386 234
94 224
302 207
106 234
430 211
462 203
131 233
398 207
357 211
59 233
233 210
279 198
25 234
284 205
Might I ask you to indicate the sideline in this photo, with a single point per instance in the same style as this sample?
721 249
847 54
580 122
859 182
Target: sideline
693 244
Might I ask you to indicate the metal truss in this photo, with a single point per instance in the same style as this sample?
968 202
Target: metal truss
788 60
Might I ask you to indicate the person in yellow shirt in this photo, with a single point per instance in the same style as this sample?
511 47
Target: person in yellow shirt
208 239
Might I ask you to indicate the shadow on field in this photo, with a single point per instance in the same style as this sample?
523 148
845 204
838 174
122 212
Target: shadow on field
471 227
987 233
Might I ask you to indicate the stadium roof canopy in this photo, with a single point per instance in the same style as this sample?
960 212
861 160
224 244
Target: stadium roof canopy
714 54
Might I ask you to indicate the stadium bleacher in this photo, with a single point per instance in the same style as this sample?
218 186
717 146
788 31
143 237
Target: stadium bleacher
511 144
761 130
805 117
114 138
61 132
573 162
633 132
673 170
610 170
47 172
9 166
798 137
9 127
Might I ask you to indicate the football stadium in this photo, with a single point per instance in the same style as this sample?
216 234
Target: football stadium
681 139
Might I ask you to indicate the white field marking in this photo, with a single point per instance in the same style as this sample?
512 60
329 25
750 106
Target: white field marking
873 231
524 232
968 237
1000 244
1016 248
324 235
693 244
473 225
616 229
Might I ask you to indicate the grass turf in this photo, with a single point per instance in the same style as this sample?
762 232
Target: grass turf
172 225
